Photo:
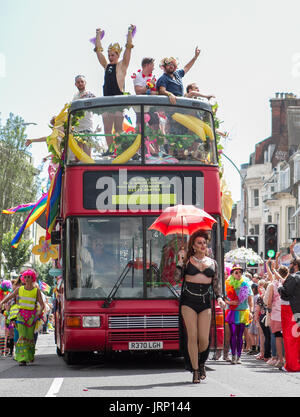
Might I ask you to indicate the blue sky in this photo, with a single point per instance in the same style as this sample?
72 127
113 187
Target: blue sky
249 51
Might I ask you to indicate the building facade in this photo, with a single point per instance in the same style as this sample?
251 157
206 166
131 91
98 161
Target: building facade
270 191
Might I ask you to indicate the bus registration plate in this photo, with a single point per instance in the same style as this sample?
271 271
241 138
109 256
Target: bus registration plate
145 345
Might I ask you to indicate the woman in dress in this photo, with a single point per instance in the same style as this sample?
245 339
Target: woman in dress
28 295
199 272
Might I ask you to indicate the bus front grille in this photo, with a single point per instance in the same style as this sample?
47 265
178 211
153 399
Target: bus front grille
142 322
142 336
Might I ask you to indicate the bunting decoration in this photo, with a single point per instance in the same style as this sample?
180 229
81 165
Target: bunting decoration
34 214
19 209
53 202
44 286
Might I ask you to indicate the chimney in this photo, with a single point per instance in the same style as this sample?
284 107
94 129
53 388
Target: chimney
275 104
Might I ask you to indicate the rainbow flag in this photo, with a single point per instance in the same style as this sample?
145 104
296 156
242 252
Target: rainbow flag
44 286
53 201
34 214
19 209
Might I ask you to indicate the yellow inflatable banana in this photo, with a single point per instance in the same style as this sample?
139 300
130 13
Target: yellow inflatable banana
207 129
62 117
78 152
191 124
132 150
53 140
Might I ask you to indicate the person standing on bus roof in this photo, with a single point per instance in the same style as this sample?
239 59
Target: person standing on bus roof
144 77
85 124
193 91
199 272
114 78
170 83
115 70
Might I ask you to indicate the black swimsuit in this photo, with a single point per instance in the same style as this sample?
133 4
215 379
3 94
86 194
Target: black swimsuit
194 295
111 87
193 270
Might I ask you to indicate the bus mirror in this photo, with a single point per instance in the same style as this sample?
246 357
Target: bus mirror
55 237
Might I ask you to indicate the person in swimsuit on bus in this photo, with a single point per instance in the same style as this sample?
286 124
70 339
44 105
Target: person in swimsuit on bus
114 78
199 272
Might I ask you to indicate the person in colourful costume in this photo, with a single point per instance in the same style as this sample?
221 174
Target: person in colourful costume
239 297
114 78
28 295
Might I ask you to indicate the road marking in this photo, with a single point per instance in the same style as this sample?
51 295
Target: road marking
55 387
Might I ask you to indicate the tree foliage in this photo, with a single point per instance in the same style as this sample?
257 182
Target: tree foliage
17 174
15 258
42 271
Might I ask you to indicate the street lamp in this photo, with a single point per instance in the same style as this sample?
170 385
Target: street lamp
244 187
29 123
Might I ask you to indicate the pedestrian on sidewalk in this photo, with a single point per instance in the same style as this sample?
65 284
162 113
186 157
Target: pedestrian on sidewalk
274 308
253 329
226 325
290 317
266 343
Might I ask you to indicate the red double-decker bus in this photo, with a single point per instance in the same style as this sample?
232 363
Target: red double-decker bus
127 159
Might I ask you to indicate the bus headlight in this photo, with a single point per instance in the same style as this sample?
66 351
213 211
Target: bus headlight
91 321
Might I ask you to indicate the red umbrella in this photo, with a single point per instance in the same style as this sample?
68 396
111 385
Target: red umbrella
184 220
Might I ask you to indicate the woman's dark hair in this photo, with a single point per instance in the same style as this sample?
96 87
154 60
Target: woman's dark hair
17 281
199 233
254 288
283 271
147 60
296 262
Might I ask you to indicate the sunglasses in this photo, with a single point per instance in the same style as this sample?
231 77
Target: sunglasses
237 272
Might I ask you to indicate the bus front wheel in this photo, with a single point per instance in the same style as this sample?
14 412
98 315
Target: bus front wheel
72 358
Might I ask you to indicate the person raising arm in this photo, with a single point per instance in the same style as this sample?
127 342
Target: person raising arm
170 83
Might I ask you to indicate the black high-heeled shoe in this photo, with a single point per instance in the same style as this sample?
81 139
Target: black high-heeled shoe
202 371
196 377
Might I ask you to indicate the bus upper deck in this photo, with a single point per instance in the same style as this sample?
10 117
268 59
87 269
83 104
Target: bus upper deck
127 158
140 130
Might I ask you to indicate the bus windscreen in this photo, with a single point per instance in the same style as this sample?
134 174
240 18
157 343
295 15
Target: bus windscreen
101 250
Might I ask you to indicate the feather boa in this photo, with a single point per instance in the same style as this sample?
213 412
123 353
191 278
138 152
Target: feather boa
237 290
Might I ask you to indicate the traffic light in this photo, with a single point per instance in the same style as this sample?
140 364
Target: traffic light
241 242
231 234
252 243
270 240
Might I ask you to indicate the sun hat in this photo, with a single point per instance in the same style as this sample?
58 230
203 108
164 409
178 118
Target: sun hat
236 268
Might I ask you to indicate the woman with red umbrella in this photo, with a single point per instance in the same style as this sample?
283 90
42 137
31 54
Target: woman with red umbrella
199 272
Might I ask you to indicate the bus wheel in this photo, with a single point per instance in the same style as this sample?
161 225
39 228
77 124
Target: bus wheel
72 358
